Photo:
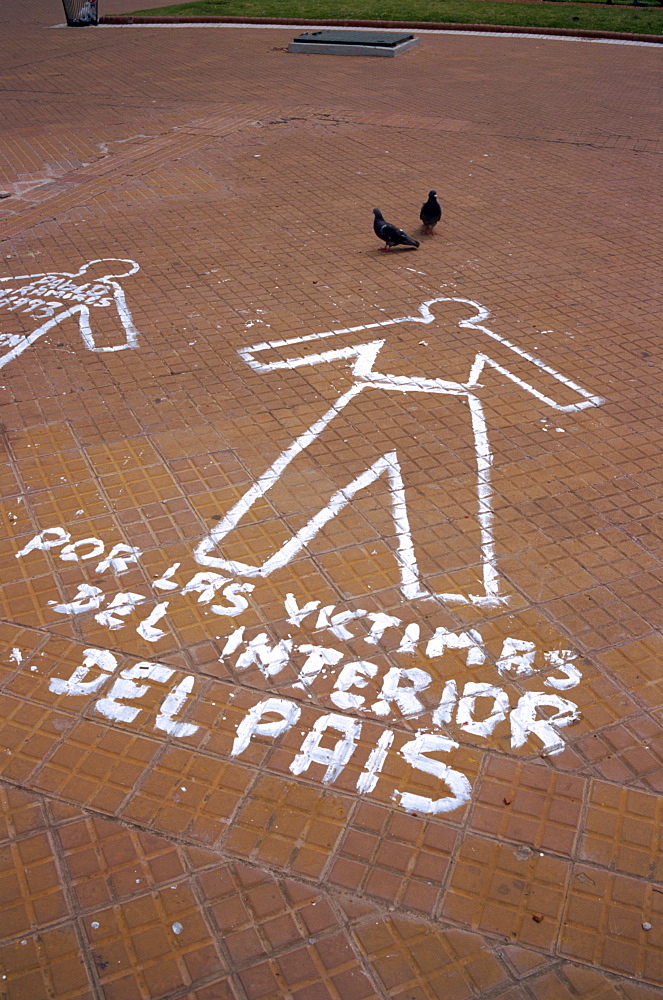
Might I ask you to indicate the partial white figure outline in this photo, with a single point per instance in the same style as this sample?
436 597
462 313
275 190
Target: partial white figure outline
41 296
366 354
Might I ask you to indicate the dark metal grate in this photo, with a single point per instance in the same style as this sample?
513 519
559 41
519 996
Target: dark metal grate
384 39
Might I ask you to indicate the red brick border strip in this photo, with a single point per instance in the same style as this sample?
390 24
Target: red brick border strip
422 25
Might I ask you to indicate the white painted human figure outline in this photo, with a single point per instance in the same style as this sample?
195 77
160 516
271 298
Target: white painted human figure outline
366 355
43 310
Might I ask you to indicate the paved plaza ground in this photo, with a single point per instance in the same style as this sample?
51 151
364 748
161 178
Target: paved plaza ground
310 691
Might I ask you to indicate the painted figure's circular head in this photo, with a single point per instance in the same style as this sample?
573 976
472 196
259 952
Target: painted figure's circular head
104 268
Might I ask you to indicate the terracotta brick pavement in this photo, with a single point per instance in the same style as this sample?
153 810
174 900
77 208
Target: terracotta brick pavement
405 819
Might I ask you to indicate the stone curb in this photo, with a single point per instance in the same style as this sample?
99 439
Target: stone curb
422 25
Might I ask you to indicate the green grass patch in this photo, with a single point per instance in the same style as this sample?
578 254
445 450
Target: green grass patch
619 17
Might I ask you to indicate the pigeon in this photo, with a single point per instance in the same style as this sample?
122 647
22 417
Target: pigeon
392 235
430 214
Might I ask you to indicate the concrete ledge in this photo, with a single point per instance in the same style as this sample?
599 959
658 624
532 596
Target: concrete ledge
422 25
353 43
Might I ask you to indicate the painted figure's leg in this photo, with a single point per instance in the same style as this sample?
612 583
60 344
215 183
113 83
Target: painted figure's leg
405 558
123 336
29 340
485 512
260 488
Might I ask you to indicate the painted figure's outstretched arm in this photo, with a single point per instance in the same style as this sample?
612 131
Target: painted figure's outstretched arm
548 378
482 361
547 375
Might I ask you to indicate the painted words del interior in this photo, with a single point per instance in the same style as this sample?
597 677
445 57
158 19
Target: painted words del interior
378 693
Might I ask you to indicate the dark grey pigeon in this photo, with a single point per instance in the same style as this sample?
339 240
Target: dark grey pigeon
430 214
392 235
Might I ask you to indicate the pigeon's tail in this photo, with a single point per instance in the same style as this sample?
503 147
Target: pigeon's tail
409 242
